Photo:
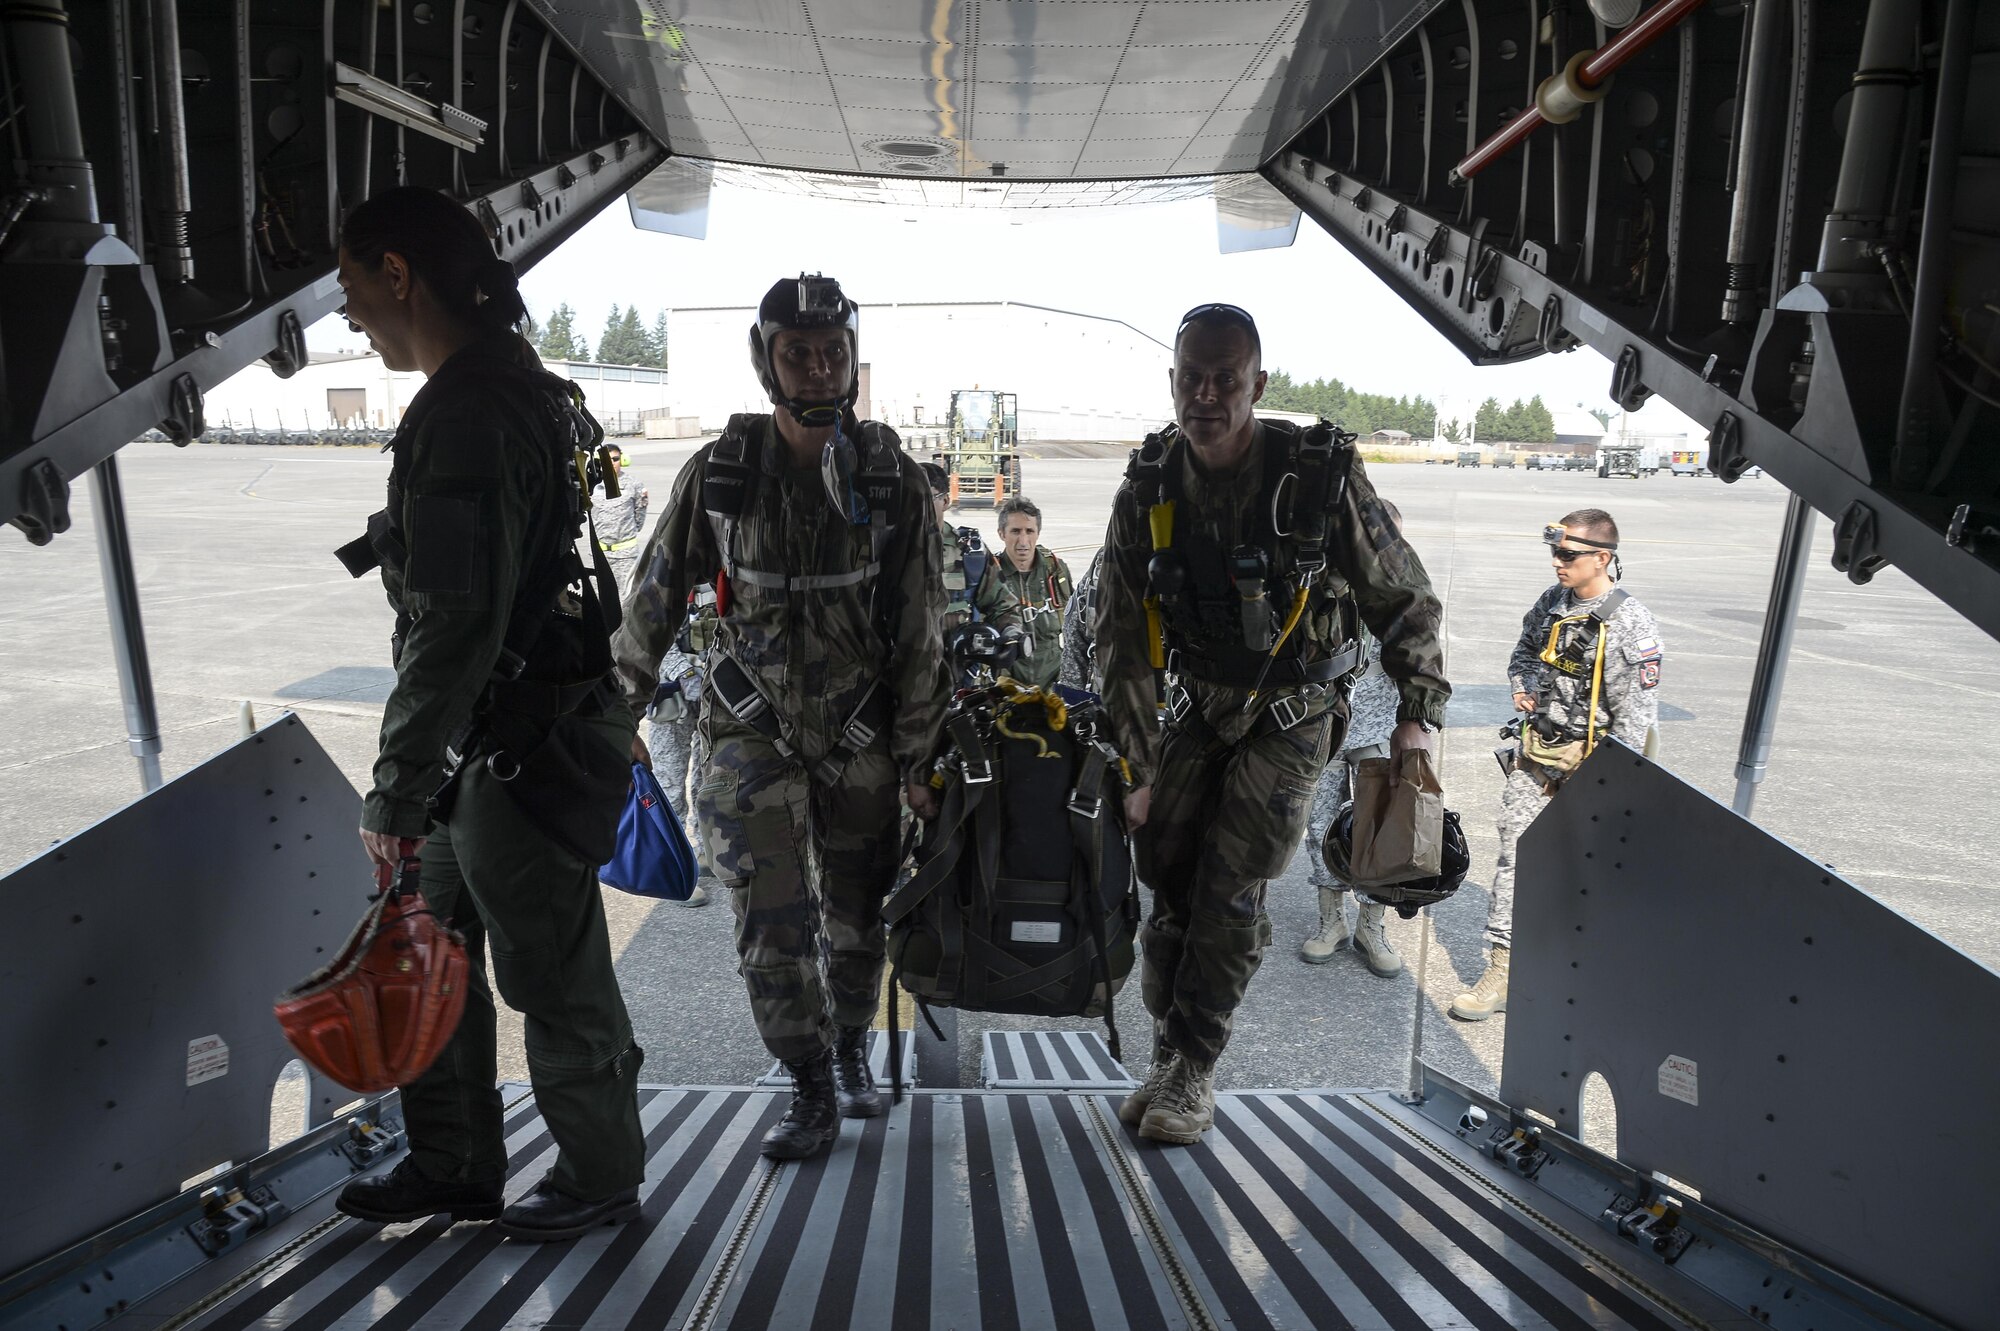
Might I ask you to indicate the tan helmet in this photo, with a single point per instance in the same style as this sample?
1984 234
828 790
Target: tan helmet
380 1013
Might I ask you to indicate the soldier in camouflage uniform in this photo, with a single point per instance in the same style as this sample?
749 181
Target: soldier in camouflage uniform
672 736
1079 630
825 691
478 522
620 522
1583 621
1220 797
1027 586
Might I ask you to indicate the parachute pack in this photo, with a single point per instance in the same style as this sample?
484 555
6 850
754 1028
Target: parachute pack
1023 899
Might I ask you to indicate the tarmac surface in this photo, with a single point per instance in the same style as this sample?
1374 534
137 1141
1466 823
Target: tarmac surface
1885 764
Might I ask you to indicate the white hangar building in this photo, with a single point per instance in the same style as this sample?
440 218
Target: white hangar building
348 388
1076 376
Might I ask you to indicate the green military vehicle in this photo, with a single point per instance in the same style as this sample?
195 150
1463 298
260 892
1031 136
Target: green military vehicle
981 450
1468 457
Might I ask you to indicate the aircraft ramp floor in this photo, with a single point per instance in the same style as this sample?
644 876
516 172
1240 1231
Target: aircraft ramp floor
980 1209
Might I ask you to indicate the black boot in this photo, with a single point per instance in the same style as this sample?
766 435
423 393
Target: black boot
549 1213
405 1194
813 1120
853 1082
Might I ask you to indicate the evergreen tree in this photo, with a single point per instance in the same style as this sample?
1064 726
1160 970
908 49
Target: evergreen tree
1487 422
1603 414
608 344
1452 433
559 341
657 344
633 345
1537 422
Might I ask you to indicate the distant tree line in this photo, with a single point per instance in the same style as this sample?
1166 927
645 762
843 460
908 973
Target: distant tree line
1364 413
625 340
1351 409
1522 423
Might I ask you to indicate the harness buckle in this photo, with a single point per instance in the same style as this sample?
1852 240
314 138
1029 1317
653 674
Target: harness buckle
1288 711
1179 700
976 777
1091 809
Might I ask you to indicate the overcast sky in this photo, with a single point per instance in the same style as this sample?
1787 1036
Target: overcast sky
1321 313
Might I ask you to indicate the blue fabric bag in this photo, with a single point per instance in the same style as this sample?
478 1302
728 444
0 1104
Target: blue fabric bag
653 858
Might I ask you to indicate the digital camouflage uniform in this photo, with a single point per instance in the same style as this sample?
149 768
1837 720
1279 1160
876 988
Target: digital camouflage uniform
1079 629
1371 715
1223 824
807 862
1628 707
673 736
467 486
1034 600
620 522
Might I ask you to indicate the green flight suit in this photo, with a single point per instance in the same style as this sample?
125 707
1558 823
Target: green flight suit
816 616
470 479
1232 789
1034 600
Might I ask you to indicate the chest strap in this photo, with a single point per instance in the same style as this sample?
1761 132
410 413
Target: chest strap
810 582
1273 672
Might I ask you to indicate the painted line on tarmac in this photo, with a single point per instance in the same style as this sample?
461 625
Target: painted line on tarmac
249 490
1827 659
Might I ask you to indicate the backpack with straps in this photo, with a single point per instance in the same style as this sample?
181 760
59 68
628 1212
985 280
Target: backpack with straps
1023 899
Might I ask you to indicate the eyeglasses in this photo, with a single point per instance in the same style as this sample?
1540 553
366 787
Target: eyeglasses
1217 310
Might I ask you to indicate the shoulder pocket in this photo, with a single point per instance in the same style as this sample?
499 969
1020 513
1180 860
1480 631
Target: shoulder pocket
444 532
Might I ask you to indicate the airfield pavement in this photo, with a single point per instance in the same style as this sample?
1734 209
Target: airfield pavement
1885 764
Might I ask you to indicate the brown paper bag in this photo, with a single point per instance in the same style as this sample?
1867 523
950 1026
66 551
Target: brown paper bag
1398 820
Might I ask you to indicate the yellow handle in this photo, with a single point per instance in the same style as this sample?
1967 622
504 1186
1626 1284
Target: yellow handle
1160 519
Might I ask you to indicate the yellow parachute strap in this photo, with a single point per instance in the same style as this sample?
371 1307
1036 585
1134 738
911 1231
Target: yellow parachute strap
1160 518
1596 691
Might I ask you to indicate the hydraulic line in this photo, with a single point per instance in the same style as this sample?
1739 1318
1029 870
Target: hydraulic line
1562 96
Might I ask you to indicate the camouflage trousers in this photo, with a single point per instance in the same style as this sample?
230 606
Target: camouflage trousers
1521 801
1221 826
623 563
1335 788
678 750
807 865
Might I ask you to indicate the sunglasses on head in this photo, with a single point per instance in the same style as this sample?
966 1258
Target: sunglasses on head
1217 310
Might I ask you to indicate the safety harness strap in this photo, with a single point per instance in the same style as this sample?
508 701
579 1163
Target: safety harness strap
810 582
1244 674
738 692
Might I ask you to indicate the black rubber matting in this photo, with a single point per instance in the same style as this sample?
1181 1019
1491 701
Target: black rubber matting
1002 1211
